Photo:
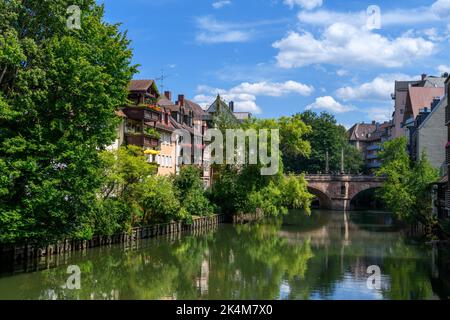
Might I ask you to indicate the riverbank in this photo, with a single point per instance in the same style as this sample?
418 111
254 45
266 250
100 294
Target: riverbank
28 252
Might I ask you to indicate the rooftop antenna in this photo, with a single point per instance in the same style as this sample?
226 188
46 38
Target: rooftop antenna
161 80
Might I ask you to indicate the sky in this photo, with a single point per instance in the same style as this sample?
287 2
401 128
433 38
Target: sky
280 57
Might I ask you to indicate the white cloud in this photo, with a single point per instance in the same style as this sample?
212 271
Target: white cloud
342 72
214 31
344 44
441 8
380 114
245 94
221 4
377 89
443 68
305 4
328 103
399 17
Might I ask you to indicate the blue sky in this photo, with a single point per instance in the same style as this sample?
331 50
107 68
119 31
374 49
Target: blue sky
280 57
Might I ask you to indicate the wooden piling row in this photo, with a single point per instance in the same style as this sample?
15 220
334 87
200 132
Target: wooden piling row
41 255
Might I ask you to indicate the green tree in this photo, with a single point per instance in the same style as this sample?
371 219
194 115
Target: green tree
124 189
58 92
326 135
407 190
191 193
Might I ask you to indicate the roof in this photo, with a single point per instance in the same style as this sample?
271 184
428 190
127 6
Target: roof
218 104
419 98
164 102
198 111
361 131
404 85
140 85
441 104
431 82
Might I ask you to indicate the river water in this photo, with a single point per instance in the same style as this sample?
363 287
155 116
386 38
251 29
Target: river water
324 256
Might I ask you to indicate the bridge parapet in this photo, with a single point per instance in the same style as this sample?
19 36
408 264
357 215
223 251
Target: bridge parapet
344 177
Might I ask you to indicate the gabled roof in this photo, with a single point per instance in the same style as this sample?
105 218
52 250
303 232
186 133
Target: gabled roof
140 85
441 104
198 111
219 106
419 98
361 131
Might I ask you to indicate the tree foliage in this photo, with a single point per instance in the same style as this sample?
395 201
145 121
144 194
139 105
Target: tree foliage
325 135
407 190
243 189
58 92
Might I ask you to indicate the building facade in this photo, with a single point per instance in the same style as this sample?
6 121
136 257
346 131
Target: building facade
429 134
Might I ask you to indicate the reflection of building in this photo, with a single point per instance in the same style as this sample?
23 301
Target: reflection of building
203 280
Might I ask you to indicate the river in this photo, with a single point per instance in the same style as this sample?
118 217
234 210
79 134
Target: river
324 256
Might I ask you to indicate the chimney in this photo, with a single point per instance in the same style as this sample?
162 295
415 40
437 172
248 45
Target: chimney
424 76
181 99
168 95
231 105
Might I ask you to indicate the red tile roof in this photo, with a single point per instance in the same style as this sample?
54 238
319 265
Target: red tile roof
419 98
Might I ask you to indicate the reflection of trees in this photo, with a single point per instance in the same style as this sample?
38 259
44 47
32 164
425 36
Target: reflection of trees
244 262
408 274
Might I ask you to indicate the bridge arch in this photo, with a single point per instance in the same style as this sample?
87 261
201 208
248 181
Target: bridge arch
337 191
324 201
365 199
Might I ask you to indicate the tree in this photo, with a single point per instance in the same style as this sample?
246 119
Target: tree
190 192
326 135
407 189
243 189
58 92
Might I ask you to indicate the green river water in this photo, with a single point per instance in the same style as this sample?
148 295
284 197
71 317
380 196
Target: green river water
324 256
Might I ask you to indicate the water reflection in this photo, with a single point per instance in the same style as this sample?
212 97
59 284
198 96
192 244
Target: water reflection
324 256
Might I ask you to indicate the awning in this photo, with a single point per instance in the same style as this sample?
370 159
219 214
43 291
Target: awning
152 152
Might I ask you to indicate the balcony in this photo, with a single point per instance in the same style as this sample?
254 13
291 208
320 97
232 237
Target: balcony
374 147
141 140
372 156
447 199
374 165
144 112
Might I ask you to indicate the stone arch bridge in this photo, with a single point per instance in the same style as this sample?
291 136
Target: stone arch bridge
335 192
